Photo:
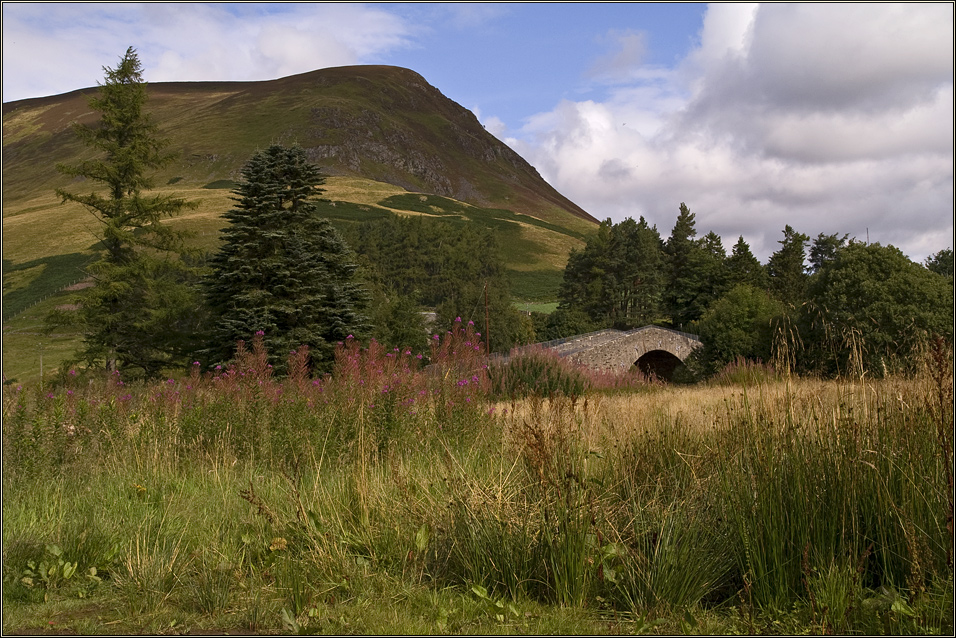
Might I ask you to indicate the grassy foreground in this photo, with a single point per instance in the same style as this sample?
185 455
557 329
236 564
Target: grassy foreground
391 499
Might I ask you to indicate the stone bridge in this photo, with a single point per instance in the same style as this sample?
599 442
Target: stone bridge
651 348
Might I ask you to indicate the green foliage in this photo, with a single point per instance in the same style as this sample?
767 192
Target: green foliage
617 279
683 251
696 270
129 139
738 325
787 268
142 311
507 327
584 283
535 285
398 322
536 372
941 262
744 268
825 249
564 322
282 270
878 300
445 266
709 275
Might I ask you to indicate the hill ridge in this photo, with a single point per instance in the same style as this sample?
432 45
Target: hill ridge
385 123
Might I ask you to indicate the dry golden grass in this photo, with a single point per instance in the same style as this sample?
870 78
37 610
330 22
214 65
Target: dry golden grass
602 420
553 248
359 190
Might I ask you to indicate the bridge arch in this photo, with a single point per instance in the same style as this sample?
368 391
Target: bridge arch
659 363
651 348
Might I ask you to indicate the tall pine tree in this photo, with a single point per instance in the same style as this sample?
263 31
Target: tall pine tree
143 309
617 279
282 270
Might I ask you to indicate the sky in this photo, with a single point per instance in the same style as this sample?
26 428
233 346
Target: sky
830 118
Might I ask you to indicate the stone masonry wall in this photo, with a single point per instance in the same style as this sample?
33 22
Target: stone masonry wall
620 353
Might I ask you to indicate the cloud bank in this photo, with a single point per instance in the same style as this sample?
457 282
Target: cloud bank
830 118
50 49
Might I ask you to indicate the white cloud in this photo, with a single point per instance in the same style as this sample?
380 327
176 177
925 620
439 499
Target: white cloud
830 118
54 48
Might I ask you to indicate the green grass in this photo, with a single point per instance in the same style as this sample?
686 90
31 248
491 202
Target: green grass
535 285
542 307
28 348
351 211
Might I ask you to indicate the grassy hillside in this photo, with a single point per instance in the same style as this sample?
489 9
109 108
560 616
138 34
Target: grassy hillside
381 133
384 124
388 141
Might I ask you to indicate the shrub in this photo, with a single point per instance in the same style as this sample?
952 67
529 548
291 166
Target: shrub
539 372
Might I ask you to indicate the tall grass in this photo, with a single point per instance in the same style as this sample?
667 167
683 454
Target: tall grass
261 503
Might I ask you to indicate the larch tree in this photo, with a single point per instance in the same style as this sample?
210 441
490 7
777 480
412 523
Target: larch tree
282 269
143 310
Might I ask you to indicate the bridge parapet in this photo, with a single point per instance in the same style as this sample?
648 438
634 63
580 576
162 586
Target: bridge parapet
616 350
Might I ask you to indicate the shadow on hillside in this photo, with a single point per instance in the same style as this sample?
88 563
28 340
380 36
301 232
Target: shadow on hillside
57 272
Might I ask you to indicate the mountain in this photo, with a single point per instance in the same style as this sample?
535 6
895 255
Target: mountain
387 139
386 124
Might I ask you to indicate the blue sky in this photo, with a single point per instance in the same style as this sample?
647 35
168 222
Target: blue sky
831 118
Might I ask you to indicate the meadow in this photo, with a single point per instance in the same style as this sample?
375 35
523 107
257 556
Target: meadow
394 498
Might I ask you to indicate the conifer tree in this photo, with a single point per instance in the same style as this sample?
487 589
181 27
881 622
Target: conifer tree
282 270
616 279
584 287
825 249
143 309
787 268
744 268
636 278
695 270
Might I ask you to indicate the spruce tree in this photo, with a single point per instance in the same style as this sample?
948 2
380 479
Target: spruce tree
696 270
744 268
282 269
143 309
787 268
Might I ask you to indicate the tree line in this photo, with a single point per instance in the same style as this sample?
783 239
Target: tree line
283 271
824 306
